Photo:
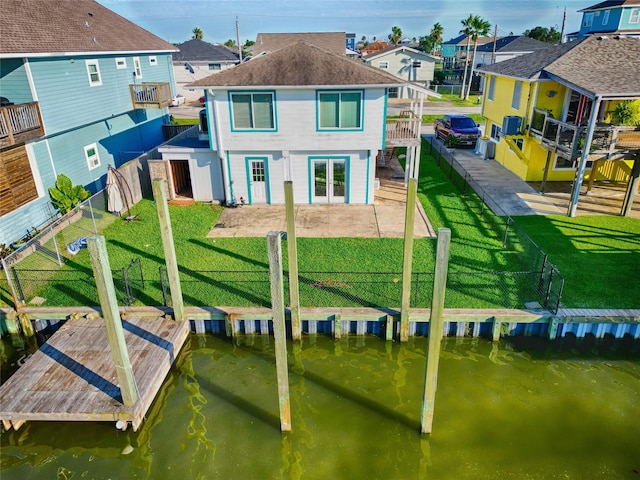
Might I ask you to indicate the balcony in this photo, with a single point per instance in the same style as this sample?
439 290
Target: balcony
19 123
150 95
609 142
404 130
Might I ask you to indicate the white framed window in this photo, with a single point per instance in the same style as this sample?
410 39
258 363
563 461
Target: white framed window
393 92
492 88
383 65
121 62
519 143
91 154
93 70
253 111
496 130
137 69
634 16
416 64
215 66
605 17
587 20
340 110
517 93
153 60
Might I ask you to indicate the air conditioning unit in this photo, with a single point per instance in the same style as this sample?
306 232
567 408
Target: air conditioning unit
511 125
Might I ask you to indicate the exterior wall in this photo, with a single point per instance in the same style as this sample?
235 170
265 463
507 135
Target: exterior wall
625 24
201 70
400 65
597 17
14 81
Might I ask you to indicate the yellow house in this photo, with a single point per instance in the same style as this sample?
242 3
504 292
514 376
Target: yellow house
542 108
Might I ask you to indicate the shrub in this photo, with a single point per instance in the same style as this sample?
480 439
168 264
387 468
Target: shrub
65 196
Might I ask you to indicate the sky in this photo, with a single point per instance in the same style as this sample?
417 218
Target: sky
173 20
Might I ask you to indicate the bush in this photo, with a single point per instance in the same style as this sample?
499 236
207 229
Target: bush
65 196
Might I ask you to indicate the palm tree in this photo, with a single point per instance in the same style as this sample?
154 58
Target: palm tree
197 34
436 35
466 30
480 28
396 35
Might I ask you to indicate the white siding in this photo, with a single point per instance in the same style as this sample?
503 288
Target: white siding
400 64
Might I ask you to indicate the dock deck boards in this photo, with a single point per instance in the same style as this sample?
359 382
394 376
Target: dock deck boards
72 377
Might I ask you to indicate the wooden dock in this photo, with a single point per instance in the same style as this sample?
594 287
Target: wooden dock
73 377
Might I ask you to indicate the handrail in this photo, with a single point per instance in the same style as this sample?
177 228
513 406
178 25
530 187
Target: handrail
19 119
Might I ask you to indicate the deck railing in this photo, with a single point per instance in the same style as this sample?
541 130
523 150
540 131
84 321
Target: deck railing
404 129
150 95
19 123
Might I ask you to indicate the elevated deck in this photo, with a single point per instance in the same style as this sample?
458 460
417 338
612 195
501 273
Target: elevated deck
73 376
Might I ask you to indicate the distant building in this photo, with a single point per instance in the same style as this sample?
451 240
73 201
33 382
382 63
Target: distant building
611 17
454 51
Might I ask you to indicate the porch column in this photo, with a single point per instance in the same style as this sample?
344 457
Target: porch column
577 183
632 187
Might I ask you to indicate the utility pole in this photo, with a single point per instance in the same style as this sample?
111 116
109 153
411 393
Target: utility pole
238 39
495 40
564 18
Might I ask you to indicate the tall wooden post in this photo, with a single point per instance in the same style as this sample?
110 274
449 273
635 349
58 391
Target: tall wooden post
410 214
109 304
435 329
632 187
292 251
279 332
160 196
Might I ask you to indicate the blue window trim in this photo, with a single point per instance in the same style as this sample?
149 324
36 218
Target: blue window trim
366 194
247 163
347 160
252 130
318 129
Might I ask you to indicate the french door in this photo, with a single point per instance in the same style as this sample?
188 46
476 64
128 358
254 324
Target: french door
329 180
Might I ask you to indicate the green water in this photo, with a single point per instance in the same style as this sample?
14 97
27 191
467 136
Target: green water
502 412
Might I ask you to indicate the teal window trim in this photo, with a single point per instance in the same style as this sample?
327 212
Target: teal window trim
338 129
384 122
347 168
247 163
366 193
252 93
230 177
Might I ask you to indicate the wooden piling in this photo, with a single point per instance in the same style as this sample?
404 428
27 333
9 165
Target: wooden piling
553 328
25 325
292 252
337 326
407 259
495 330
160 196
389 328
109 303
279 331
435 329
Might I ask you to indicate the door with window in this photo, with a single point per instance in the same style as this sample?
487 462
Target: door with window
329 180
257 181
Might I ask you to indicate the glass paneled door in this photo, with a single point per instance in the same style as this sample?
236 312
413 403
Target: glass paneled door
329 180
257 180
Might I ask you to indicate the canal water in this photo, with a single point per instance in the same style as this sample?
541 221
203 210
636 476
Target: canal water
523 410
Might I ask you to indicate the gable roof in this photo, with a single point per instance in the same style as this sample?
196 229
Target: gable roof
32 27
299 64
270 42
462 40
514 43
198 50
596 65
402 48
610 4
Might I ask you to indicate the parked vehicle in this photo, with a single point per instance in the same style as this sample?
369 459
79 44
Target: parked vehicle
461 127
177 100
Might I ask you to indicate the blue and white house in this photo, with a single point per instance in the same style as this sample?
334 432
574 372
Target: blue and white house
300 113
621 17
82 88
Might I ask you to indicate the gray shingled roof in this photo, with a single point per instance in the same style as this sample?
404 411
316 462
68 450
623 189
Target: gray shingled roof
610 4
199 50
45 26
600 65
299 64
514 43
270 42
462 40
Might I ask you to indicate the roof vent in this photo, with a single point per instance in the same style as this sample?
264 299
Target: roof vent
603 37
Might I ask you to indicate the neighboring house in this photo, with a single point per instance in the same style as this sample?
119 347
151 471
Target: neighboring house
85 89
198 59
405 63
454 51
540 107
611 17
335 42
374 47
301 114
504 48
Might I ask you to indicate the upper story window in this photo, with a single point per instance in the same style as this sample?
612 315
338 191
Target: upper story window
253 111
137 68
634 16
153 60
91 154
93 70
587 20
340 110
121 62
416 64
492 88
383 65
215 66
605 17
517 93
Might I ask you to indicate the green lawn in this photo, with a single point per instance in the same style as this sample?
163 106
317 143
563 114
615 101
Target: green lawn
457 101
431 118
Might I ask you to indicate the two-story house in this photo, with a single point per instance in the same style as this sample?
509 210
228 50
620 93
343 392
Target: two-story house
405 63
454 51
543 108
611 17
300 113
83 89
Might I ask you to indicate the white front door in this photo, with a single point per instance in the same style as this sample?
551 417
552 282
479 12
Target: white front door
257 180
329 180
